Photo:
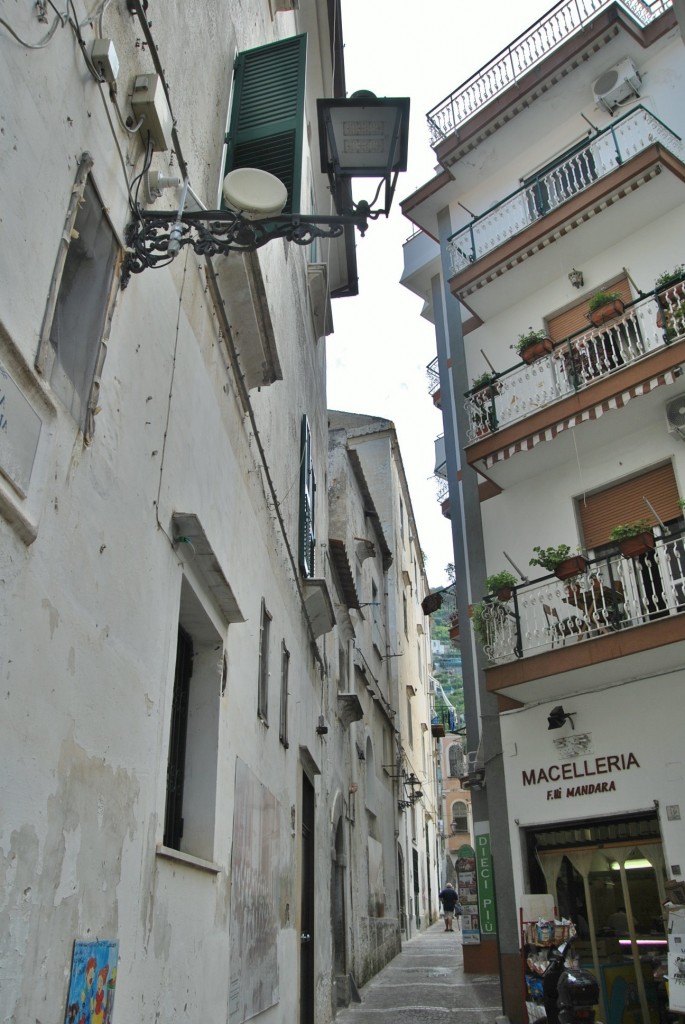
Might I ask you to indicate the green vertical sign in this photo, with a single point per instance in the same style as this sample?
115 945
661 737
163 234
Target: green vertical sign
486 888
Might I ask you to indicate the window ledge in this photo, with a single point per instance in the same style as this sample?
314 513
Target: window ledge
186 858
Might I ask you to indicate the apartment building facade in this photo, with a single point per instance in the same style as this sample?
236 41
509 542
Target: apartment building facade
566 149
178 753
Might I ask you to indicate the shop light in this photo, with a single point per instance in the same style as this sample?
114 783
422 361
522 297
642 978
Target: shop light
630 865
644 942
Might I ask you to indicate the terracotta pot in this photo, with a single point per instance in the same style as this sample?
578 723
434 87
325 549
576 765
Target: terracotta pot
606 312
537 350
454 632
631 547
570 567
503 594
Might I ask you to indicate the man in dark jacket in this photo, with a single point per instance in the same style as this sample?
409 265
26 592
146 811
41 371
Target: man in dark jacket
449 899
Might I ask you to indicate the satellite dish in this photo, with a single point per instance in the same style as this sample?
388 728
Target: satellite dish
254 193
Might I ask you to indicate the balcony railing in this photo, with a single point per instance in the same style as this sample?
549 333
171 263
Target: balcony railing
645 326
612 594
433 374
531 47
621 141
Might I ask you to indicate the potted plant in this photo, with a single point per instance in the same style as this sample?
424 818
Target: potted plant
670 286
633 539
671 277
559 560
454 627
604 306
533 345
501 585
479 623
483 389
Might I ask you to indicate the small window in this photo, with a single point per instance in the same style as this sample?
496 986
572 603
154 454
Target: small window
189 817
80 303
460 817
456 758
283 716
263 683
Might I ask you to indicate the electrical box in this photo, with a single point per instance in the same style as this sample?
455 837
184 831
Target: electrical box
105 60
148 101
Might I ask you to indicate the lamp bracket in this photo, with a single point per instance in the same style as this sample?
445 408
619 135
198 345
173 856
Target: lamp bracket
218 232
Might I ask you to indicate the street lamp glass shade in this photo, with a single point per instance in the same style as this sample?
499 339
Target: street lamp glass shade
363 137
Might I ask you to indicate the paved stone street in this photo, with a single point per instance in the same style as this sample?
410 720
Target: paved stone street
426 984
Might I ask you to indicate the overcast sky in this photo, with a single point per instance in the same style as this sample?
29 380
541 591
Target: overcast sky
378 355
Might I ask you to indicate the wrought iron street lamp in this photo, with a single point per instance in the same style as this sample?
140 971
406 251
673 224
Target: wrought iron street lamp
360 137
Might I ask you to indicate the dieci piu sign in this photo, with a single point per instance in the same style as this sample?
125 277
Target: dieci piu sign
586 777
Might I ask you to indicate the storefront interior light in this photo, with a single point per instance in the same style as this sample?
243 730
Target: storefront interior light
631 865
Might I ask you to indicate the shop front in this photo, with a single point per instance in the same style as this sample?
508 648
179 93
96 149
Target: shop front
596 821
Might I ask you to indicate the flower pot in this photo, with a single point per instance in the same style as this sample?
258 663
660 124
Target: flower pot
606 312
503 594
454 632
631 547
570 567
537 350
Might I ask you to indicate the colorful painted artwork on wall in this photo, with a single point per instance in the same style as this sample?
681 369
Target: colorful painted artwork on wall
92 983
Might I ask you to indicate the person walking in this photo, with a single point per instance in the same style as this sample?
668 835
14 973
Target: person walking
450 901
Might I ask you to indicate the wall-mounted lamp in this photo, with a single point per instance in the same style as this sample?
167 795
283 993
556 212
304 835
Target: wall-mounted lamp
576 278
412 783
359 137
558 716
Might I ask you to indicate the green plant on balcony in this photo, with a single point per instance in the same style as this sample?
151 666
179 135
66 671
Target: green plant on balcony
603 306
501 584
669 277
531 345
675 321
559 560
479 623
625 530
484 380
634 538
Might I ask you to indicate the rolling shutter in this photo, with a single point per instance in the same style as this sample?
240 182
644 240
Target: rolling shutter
624 503
267 119
575 319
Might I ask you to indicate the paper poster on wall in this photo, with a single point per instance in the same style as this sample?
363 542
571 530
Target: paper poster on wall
468 895
676 961
92 983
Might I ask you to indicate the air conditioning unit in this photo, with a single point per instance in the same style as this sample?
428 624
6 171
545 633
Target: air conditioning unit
675 416
617 85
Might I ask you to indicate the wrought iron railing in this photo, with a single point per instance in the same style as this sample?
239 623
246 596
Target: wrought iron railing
531 47
612 594
621 141
645 325
433 374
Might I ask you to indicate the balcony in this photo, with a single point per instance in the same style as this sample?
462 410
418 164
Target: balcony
433 374
611 148
584 359
618 620
532 47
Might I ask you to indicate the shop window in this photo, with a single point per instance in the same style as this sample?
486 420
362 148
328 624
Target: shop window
189 816
80 303
267 118
263 677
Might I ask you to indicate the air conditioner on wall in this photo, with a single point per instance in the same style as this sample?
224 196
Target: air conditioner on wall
617 84
675 416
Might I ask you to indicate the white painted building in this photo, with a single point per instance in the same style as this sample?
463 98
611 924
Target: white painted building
567 151
170 822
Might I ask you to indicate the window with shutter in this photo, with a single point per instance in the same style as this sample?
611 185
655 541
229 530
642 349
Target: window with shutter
267 118
624 503
575 319
307 543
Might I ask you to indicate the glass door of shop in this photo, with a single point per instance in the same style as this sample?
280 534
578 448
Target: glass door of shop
609 880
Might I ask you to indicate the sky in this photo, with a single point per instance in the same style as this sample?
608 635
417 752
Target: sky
378 353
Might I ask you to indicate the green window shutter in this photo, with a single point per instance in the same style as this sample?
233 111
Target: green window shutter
267 119
307 544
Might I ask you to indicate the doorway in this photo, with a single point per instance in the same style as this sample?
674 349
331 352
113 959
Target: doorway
307 905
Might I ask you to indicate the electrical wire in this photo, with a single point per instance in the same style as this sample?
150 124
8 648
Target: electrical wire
60 21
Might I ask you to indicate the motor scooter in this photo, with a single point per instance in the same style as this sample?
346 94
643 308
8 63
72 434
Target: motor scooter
570 994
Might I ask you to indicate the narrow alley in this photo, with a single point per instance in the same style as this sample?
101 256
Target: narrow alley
426 984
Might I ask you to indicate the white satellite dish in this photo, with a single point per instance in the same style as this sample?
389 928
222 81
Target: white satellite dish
254 193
